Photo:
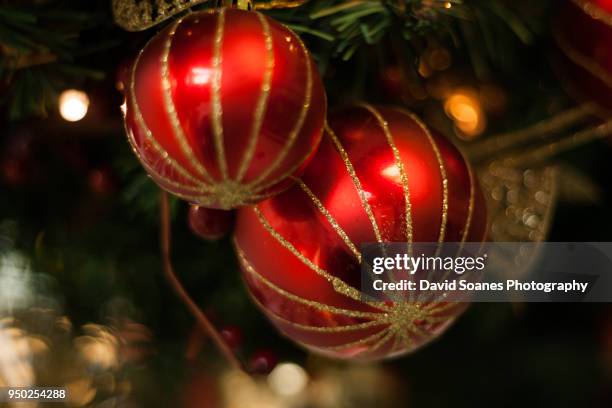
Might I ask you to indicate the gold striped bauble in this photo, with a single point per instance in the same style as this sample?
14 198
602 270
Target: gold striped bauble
380 175
224 107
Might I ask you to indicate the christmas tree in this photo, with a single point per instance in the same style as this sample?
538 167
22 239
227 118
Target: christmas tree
187 184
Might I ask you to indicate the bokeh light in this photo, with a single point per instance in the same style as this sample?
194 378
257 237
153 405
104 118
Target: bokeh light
73 105
288 379
464 108
16 285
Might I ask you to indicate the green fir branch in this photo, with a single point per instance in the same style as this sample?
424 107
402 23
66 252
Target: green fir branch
39 48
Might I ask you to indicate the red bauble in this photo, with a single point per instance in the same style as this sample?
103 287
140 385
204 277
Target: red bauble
232 335
380 174
210 224
262 362
224 107
583 32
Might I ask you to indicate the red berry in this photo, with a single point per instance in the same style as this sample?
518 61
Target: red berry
262 362
210 224
232 336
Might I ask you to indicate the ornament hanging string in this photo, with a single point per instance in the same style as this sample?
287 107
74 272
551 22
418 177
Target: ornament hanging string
194 309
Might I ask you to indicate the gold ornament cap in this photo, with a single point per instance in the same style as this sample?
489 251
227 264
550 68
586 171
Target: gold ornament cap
139 15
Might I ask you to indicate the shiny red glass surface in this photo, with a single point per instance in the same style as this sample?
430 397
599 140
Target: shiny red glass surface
231 61
296 218
210 224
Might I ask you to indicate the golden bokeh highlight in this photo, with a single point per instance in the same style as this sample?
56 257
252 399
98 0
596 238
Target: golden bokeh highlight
73 105
463 106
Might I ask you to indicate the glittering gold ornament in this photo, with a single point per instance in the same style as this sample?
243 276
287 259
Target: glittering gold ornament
138 15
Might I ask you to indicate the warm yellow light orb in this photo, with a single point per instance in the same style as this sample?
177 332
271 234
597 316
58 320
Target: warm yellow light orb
464 109
73 105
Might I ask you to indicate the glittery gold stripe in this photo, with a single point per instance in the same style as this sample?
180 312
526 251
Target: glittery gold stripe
262 103
334 224
396 343
318 329
399 322
260 197
293 135
289 172
332 221
582 60
402 343
419 331
402 320
381 334
594 11
402 340
404 180
356 182
217 109
179 133
153 172
310 303
443 175
468 221
400 166
203 200
438 307
440 319
338 284
149 136
194 196
386 338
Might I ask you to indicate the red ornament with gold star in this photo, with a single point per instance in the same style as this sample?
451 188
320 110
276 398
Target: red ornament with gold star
583 33
224 107
379 175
